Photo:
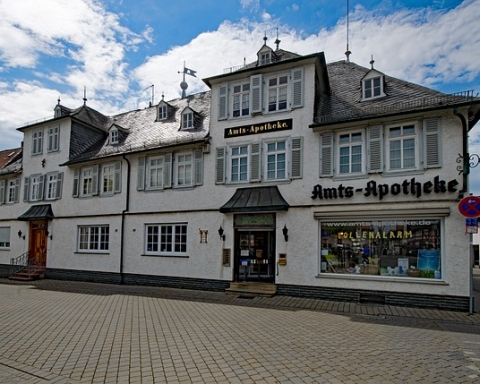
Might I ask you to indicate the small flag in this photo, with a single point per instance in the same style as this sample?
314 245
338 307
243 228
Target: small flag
190 72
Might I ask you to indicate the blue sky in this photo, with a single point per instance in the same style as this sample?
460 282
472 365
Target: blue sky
117 49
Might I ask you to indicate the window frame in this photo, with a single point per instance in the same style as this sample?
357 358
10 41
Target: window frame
53 139
350 144
36 185
103 231
53 185
114 136
240 156
182 168
5 244
188 120
37 142
108 170
149 169
277 88
402 138
243 96
154 240
12 191
162 112
275 152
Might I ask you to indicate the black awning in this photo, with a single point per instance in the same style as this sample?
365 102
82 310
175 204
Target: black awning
254 200
38 212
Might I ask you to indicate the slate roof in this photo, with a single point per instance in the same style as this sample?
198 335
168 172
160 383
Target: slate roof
344 101
255 199
141 131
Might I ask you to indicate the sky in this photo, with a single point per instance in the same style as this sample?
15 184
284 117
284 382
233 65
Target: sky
121 54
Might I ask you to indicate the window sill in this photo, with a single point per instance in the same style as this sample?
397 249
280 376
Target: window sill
165 255
387 279
91 253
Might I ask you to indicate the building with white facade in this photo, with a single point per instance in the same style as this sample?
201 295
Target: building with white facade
321 180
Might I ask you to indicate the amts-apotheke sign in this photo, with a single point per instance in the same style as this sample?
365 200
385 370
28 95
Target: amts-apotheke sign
407 187
271 126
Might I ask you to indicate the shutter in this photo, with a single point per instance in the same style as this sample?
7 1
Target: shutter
297 88
26 189
220 165
95 175
76 182
431 131
41 186
256 93
375 149
326 155
16 191
296 164
2 191
117 178
223 102
141 174
58 187
198 164
167 171
255 153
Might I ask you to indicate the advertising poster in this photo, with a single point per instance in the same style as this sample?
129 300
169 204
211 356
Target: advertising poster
428 260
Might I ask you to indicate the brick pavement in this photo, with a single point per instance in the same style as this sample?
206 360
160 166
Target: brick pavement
75 332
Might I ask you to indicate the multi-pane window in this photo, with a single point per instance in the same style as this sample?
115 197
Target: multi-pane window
277 93
114 136
108 174
87 182
4 237
276 160
350 153
155 172
37 143
12 190
162 112
241 100
93 238
184 166
53 139
167 239
239 164
402 147
187 120
372 88
53 186
36 188
265 58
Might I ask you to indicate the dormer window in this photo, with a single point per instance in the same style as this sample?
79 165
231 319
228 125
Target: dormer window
265 58
58 111
114 136
372 85
162 112
187 120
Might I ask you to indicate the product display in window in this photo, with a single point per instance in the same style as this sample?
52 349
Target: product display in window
401 248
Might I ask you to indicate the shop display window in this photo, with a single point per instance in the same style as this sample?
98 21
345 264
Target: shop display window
400 248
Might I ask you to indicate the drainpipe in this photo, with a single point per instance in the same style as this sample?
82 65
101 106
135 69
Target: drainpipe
465 154
127 205
466 172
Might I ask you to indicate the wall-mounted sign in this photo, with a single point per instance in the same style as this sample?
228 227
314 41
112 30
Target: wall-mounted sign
407 187
470 206
252 129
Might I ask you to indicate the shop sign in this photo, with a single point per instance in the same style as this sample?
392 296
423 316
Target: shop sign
252 129
407 187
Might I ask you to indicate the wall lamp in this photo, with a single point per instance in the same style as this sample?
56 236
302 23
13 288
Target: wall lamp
21 235
48 233
43 163
285 232
221 233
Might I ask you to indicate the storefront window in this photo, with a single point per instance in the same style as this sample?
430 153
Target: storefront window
401 248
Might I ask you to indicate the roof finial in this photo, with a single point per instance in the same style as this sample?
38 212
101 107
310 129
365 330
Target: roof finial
58 100
84 95
163 96
348 52
277 42
265 39
372 61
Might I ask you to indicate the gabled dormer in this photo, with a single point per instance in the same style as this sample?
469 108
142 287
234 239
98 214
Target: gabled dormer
373 85
265 56
116 134
164 111
190 119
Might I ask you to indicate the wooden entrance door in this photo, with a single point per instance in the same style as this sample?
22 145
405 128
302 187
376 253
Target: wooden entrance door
38 242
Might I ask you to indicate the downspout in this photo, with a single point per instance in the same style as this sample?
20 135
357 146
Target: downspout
127 205
466 155
466 172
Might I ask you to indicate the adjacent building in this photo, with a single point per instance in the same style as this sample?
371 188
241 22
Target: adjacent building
323 180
